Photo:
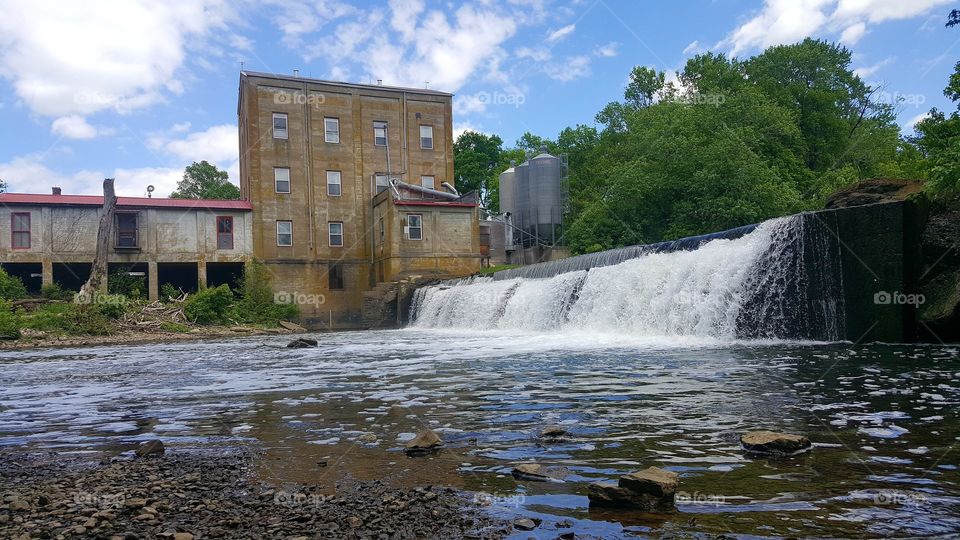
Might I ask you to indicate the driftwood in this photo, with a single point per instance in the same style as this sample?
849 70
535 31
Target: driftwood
98 270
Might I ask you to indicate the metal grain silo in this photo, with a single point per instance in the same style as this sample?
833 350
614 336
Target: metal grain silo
521 200
507 184
545 200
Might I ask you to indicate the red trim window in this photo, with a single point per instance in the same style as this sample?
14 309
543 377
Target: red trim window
224 232
20 230
127 236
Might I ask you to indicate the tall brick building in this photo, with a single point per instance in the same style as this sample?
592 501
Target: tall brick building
351 186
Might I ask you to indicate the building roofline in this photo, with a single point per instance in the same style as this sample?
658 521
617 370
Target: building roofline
43 199
291 78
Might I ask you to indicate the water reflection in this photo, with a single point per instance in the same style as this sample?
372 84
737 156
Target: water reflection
883 417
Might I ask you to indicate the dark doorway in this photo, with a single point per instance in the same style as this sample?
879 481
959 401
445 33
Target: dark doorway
220 273
31 274
129 279
71 276
182 276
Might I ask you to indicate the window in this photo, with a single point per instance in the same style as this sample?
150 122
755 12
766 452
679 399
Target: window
127 230
382 182
414 228
427 182
20 230
224 232
380 133
281 179
284 233
333 183
336 233
335 277
383 234
279 125
331 130
426 137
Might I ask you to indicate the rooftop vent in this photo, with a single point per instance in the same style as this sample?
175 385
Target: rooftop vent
56 190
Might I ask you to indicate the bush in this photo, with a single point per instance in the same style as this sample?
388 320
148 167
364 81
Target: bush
111 306
257 304
10 321
169 326
11 287
121 282
209 306
69 319
168 291
55 291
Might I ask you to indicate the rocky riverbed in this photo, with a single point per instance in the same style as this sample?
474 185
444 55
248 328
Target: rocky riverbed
185 496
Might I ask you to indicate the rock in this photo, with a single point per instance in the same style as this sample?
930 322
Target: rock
553 431
775 444
182 536
19 505
538 473
425 441
292 326
610 494
135 503
525 524
354 521
872 192
652 481
151 448
367 438
302 343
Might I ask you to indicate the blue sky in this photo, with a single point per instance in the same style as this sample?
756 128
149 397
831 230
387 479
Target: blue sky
139 89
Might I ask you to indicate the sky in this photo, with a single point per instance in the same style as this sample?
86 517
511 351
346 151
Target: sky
136 90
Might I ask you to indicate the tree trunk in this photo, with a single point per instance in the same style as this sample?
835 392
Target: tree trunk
98 271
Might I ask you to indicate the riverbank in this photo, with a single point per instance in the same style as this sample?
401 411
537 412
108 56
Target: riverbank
41 340
186 495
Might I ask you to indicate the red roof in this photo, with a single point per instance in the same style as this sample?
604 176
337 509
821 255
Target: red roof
410 202
97 200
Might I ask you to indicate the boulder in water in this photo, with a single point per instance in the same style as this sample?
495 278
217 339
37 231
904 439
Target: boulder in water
302 343
425 441
539 473
151 448
553 431
772 443
650 489
652 481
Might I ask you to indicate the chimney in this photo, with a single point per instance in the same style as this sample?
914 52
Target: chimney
56 190
296 73
379 82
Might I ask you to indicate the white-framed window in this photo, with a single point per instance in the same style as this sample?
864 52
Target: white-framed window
281 179
284 233
380 133
331 130
414 228
426 137
279 125
428 181
333 183
335 229
382 182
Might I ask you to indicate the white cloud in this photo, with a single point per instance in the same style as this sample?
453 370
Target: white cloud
134 182
575 67
607 51
470 103
77 58
693 48
28 174
460 127
788 21
560 33
540 54
217 144
911 123
867 71
73 127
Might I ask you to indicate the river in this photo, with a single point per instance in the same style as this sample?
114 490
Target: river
883 419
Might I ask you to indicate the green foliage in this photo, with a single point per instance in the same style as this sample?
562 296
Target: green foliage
69 319
168 291
209 305
121 282
10 321
257 303
3 186
205 181
477 157
490 270
11 287
112 309
55 291
173 327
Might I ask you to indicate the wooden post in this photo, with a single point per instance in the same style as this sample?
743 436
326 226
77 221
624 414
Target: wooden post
98 270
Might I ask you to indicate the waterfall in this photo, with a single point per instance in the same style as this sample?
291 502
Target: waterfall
771 281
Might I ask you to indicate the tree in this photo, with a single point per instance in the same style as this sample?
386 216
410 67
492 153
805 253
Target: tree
475 160
205 181
3 186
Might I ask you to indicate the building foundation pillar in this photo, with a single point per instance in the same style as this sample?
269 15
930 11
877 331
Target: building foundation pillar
202 274
153 285
47 272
